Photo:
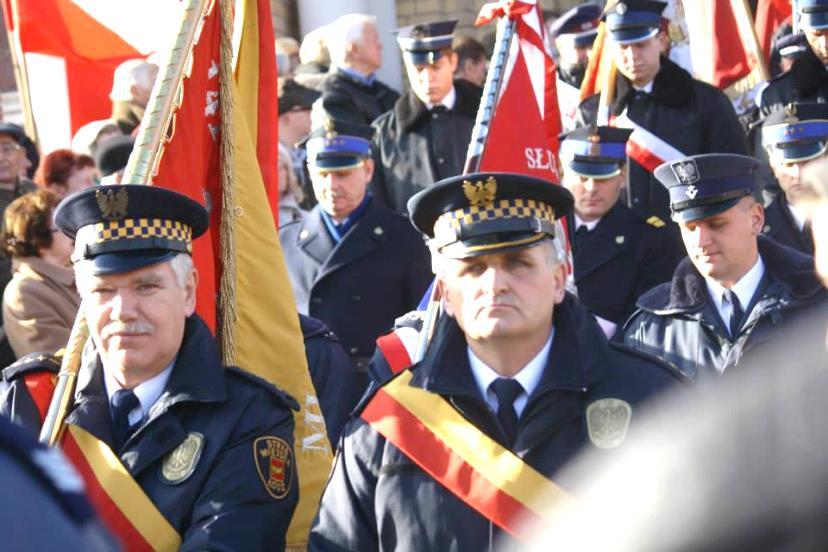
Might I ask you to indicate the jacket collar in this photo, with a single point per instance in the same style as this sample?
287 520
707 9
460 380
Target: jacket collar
687 292
672 87
808 74
571 365
410 111
604 244
62 275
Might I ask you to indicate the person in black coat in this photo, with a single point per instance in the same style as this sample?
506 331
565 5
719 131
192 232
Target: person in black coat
330 371
655 93
425 137
795 136
351 91
807 80
736 288
617 256
353 263
199 438
511 325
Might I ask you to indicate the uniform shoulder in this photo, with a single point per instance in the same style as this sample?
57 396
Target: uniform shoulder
315 328
646 362
33 363
242 379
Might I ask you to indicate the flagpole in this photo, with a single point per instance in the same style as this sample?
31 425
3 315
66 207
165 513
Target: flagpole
21 75
747 32
479 136
165 96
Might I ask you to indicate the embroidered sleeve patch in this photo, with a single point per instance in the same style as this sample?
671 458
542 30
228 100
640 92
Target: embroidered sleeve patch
274 463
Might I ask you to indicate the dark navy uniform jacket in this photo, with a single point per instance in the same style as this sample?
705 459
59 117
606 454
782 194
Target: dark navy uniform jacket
358 286
781 226
620 259
415 147
330 370
378 499
224 503
678 321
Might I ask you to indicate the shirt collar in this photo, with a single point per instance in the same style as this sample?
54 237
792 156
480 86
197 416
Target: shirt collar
589 225
798 217
529 376
647 88
448 100
744 288
364 79
147 392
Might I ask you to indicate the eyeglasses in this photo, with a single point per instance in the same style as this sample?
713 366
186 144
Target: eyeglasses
9 148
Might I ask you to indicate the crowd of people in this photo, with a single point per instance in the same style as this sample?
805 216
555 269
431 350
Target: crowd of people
469 336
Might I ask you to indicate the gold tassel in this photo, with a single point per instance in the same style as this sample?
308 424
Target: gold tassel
227 299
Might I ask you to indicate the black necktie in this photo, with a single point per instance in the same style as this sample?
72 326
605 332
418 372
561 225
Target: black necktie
506 391
808 237
439 109
123 401
736 314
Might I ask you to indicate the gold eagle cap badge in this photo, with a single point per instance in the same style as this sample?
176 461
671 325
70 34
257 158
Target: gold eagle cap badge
480 193
113 205
330 128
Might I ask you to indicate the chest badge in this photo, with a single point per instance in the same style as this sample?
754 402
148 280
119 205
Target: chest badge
181 462
274 462
607 422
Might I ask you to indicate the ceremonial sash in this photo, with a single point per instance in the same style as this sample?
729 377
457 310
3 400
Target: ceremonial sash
474 467
398 348
644 147
119 501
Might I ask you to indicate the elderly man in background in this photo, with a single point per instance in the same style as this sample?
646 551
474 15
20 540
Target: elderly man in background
351 91
131 88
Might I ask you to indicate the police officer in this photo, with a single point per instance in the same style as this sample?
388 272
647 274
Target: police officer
807 79
426 136
198 438
617 256
655 93
353 263
794 136
573 34
520 375
736 287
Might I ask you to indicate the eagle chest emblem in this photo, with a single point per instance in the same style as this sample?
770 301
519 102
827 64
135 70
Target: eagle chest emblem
480 193
113 204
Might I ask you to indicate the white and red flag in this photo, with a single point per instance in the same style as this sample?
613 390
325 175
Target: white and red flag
644 147
67 52
525 119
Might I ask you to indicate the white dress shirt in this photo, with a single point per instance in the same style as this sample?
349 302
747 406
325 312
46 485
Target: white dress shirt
798 216
647 88
744 290
147 392
590 226
529 376
448 101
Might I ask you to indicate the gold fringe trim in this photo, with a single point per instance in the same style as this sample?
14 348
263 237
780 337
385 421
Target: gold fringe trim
227 295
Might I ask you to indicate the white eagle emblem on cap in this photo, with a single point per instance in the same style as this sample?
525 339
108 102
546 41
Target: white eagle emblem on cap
621 8
686 171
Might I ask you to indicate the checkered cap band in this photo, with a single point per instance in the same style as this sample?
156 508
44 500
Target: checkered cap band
174 231
448 224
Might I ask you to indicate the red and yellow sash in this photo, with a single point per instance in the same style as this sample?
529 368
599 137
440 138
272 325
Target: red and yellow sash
466 461
118 499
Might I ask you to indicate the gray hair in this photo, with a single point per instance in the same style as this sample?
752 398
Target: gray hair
133 72
345 31
181 264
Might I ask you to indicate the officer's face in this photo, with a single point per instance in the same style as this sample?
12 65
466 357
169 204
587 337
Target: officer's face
340 192
723 247
789 176
431 82
369 49
503 296
818 41
594 197
571 55
639 61
136 319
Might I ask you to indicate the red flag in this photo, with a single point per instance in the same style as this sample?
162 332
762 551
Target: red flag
70 49
523 133
770 14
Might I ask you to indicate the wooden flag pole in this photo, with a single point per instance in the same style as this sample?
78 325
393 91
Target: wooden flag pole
21 75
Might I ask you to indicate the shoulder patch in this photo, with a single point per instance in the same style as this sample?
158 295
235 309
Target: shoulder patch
33 362
280 393
273 457
655 221
608 421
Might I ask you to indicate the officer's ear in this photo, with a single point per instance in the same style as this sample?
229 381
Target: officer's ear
756 214
190 287
368 167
